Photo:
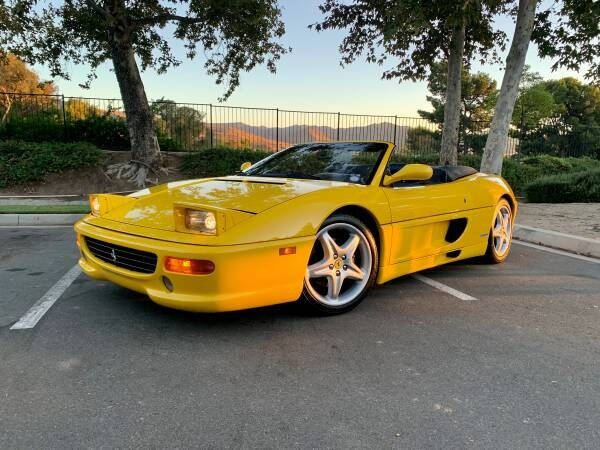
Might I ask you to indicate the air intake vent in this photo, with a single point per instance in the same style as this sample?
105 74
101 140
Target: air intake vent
127 258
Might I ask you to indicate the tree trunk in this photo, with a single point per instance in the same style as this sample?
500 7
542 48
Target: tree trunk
449 150
8 106
515 61
145 150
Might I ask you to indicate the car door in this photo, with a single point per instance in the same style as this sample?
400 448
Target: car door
423 215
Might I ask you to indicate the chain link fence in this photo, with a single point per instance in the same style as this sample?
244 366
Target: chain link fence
195 126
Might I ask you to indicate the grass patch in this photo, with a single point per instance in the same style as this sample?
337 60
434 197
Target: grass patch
44 209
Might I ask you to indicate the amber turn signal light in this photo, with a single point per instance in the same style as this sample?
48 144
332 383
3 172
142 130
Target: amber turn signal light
287 251
189 266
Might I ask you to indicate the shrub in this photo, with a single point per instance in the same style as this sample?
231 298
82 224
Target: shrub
219 161
519 171
22 162
105 131
565 188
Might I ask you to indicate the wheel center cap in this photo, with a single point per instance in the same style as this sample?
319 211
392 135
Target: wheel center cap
337 264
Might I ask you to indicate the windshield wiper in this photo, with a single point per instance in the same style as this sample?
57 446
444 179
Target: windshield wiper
299 175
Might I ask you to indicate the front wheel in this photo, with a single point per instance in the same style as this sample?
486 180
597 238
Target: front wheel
342 266
500 237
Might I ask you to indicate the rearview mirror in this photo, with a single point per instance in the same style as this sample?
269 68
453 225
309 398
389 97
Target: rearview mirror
410 172
245 166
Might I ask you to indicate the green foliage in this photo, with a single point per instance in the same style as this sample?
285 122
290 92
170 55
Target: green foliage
232 36
568 33
22 162
521 171
178 127
219 161
558 117
414 34
422 140
105 131
565 188
478 97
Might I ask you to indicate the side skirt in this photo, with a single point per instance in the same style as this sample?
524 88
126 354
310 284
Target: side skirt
392 271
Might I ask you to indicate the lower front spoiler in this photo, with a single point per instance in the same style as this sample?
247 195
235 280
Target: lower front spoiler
245 276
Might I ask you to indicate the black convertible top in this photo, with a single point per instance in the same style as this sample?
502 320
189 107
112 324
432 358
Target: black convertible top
441 174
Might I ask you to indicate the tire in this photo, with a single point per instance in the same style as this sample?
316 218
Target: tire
342 266
500 237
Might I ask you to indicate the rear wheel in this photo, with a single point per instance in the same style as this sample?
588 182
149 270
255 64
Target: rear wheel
500 237
342 266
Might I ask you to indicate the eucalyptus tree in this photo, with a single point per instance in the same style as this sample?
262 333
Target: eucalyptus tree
495 145
232 36
417 35
566 31
478 98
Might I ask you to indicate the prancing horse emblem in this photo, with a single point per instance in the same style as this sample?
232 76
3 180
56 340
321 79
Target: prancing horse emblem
113 255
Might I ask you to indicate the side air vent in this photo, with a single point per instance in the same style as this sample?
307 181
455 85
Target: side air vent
455 229
453 254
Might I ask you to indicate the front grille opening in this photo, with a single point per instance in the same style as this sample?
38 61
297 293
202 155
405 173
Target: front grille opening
124 257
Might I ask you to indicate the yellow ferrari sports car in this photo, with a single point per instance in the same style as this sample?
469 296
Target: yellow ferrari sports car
318 222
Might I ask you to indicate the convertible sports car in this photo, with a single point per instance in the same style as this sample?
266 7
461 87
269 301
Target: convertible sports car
319 222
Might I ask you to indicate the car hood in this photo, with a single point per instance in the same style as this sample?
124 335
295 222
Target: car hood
244 196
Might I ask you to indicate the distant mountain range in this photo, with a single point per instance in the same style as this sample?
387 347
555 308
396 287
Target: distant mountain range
270 138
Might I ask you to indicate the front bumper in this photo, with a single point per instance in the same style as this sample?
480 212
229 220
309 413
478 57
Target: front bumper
245 276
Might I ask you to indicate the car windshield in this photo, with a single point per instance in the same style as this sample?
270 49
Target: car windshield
352 162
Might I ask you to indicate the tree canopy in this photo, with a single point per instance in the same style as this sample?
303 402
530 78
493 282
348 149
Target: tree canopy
558 116
478 98
414 34
234 36
17 77
568 32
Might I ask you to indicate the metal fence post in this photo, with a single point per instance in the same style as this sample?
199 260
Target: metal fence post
338 128
277 130
65 132
395 125
211 127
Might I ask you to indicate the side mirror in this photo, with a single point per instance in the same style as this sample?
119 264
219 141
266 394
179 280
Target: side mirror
245 166
410 172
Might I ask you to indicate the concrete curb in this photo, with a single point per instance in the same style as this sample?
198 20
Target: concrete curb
560 241
18 220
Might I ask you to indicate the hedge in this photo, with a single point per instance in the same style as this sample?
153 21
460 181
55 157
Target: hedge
105 131
220 161
22 162
565 188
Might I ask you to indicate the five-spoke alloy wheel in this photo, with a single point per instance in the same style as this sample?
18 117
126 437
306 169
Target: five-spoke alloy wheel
501 231
342 265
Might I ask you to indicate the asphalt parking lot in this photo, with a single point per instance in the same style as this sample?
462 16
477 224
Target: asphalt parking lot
413 366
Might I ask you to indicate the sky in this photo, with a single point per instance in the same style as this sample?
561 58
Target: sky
309 78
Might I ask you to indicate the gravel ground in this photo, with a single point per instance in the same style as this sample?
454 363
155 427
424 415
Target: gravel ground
580 219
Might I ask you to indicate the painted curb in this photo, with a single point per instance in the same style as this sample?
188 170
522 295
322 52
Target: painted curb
561 241
38 219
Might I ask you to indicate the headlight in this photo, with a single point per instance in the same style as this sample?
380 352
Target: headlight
95 205
201 221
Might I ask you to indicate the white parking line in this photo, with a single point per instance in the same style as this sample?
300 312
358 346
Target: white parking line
442 287
37 311
557 252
